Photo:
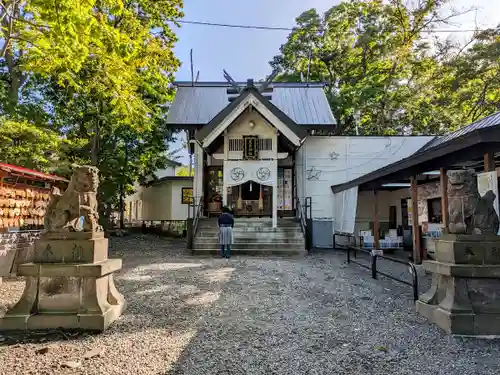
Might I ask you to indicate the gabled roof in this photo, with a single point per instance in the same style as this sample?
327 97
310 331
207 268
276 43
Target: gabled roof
441 152
197 104
247 92
173 163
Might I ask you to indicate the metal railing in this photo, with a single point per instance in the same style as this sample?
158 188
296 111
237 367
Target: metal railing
374 256
198 212
195 211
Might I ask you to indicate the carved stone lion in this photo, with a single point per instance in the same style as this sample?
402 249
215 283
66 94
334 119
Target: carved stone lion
79 200
485 219
462 200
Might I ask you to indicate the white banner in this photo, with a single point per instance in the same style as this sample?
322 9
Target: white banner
345 206
487 181
237 172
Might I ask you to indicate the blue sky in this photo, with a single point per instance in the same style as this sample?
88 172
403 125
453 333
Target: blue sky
246 53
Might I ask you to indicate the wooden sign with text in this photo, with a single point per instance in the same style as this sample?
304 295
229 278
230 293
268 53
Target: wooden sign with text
250 149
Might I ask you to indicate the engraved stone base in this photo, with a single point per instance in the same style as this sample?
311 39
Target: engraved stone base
464 298
70 285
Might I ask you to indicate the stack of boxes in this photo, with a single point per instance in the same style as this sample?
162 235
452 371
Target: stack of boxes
367 239
391 240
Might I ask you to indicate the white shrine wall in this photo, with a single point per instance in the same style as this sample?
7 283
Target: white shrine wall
325 161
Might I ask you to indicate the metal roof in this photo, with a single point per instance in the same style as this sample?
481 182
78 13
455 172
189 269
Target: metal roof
198 104
486 122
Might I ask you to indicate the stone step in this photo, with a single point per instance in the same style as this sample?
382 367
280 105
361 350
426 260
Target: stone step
253 245
245 236
254 227
261 238
250 232
245 222
260 251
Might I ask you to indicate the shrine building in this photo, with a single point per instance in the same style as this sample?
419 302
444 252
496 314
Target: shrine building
266 150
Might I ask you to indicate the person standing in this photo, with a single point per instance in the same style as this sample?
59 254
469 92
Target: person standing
226 224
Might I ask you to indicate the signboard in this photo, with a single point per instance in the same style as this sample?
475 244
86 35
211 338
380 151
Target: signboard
489 181
250 151
187 195
410 213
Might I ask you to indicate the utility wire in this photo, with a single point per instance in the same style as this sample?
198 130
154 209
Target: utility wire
277 28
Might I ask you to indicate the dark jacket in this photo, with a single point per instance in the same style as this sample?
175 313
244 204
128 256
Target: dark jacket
226 219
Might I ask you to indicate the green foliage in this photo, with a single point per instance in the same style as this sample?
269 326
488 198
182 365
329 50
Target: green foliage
23 144
96 74
184 171
380 67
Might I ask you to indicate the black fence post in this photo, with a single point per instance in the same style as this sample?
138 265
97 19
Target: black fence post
374 266
413 271
189 234
309 224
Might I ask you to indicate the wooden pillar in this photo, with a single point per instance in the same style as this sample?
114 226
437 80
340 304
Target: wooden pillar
443 180
376 223
489 162
417 256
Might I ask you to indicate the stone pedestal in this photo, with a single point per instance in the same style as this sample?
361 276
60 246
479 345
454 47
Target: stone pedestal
69 285
464 297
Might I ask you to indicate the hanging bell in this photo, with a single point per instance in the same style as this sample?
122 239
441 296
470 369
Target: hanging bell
250 186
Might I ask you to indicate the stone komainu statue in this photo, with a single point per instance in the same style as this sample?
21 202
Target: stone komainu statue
485 218
462 200
79 200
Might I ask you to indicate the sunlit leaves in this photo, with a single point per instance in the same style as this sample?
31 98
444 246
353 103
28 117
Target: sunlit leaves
379 65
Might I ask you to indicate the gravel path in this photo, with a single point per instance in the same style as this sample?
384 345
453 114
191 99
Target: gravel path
192 315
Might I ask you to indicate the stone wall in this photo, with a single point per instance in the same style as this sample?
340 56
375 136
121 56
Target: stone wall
426 191
16 248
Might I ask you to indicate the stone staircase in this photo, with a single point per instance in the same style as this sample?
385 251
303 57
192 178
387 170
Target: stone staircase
253 236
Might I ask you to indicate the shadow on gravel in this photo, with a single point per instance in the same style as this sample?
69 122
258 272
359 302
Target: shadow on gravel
163 286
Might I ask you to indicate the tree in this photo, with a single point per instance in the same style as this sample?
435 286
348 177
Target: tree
27 145
93 77
119 125
107 60
185 171
376 62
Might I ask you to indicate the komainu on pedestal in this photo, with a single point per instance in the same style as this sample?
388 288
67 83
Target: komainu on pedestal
69 284
464 297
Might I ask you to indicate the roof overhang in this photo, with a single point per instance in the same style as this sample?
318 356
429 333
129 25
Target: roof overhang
251 97
168 179
29 173
470 146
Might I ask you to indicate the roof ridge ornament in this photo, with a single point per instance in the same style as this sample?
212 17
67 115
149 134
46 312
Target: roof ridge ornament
230 79
269 80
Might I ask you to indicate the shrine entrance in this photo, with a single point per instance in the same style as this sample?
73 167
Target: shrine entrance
251 199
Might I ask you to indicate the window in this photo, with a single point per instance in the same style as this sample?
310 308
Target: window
236 144
265 144
434 212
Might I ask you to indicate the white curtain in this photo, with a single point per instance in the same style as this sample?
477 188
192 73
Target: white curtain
237 172
345 205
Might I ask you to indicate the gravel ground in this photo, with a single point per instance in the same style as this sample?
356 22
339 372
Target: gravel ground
193 315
